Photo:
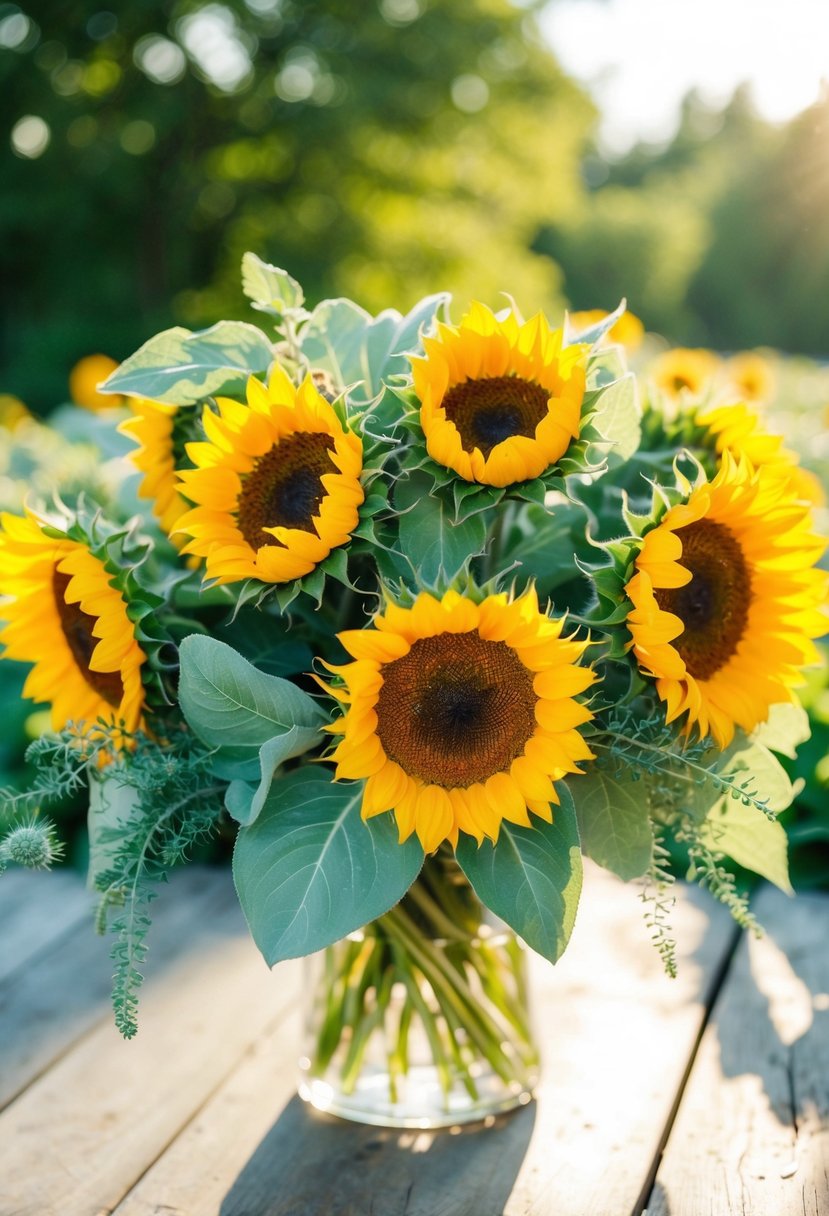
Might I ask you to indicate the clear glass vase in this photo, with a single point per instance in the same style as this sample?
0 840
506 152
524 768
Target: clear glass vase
421 1019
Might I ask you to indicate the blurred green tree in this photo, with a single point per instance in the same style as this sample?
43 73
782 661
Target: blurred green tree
720 238
381 150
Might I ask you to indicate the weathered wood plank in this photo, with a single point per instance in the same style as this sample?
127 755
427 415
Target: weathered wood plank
64 991
37 909
81 1135
618 1037
752 1132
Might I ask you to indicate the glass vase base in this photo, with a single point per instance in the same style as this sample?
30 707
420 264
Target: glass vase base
421 1102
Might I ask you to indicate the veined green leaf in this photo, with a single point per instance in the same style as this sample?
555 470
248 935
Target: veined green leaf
358 349
235 708
750 838
618 419
786 727
531 878
270 288
181 367
435 545
614 824
309 870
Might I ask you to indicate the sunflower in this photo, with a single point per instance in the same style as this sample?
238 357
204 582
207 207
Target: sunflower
461 714
628 331
84 379
681 370
64 615
751 375
726 600
500 402
153 427
277 484
738 429
12 411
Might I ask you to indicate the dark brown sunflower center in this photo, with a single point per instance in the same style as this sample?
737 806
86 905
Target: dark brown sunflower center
77 629
714 606
680 382
284 488
495 408
456 709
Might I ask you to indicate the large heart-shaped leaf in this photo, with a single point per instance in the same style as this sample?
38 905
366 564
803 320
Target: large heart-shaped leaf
430 539
309 870
751 839
614 824
531 878
361 350
235 708
181 367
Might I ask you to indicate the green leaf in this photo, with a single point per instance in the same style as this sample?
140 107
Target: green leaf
332 340
235 708
614 823
531 878
763 773
272 754
436 546
751 839
271 289
358 349
786 727
181 368
618 419
309 870
596 332
543 544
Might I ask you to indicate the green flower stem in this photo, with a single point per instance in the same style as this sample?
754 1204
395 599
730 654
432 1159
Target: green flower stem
466 992
458 997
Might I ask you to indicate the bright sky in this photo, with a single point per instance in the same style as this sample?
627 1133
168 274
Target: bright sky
639 57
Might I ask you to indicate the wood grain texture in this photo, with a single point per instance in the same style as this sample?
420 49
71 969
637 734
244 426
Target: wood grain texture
752 1131
65 989
78 1138
618 1037
36 910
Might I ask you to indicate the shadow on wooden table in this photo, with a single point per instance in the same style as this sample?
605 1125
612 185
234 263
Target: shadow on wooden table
310 1163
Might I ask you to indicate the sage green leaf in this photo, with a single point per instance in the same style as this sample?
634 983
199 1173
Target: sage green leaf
762 773
614 824
786 727
357 349
238 797
332 340
751 839
309 870
543 544
596 332
181 367
271 289
531 878
235 708
618 419
436 546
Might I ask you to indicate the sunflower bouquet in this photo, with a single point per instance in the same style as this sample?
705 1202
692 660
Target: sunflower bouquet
420 613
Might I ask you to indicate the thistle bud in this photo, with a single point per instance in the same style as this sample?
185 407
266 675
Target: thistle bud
32 845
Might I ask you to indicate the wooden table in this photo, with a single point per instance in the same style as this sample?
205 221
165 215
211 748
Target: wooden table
705 1095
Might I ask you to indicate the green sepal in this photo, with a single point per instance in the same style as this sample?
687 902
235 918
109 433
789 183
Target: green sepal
125 554
593 336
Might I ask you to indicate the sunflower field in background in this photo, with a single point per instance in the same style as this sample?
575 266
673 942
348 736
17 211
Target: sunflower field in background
366 595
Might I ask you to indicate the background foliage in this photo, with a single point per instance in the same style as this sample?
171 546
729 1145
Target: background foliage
381 151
